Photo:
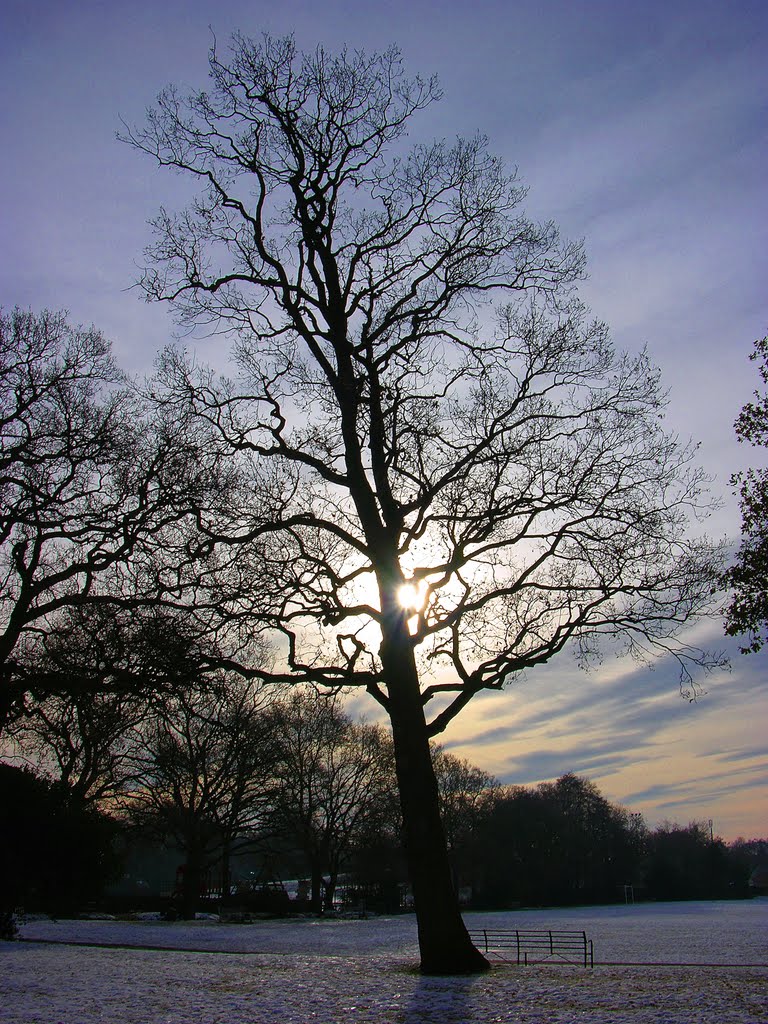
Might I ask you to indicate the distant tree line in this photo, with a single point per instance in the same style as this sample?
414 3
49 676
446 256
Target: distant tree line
223 774
563 842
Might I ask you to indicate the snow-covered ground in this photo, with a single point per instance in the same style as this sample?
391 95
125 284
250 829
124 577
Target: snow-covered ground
297 972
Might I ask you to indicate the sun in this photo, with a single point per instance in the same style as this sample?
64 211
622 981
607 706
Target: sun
411 597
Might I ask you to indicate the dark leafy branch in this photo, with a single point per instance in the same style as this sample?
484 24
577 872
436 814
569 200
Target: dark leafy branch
747 612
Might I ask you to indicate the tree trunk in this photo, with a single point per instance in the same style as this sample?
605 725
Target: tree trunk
444 943
330 890
226 884
191 884
316 898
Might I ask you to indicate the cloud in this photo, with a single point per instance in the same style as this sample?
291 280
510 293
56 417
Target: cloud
626 727
705 790
543 765
744 755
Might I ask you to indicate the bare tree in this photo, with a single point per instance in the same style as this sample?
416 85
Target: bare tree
93 489
335 777
81 740
466 795
205 759
457 476
94 675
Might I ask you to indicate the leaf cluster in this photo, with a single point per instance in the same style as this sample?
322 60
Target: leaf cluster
747 612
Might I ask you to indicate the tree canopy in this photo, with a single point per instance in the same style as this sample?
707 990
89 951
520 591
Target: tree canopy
94 484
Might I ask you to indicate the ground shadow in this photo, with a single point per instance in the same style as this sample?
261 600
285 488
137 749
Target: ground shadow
444 1000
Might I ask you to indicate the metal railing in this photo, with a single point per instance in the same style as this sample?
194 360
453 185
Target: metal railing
531 946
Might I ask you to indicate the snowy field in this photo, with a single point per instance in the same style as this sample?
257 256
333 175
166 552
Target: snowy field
653 964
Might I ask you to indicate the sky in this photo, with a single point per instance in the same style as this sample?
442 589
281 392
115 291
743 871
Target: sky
638 126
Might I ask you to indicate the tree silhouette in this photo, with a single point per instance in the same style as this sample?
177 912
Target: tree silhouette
466 794
93 486
57 852
418 401
80 740
97 675
558 843
748 610
335 778
204 762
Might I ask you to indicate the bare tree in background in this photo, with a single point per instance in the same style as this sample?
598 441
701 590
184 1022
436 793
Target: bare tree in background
335 779
95 488
92 678
466 795
205 761
80 739
450 472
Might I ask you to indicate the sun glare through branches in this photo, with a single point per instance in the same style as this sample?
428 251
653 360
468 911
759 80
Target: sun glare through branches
412 597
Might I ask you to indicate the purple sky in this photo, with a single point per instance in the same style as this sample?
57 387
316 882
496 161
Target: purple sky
639 126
